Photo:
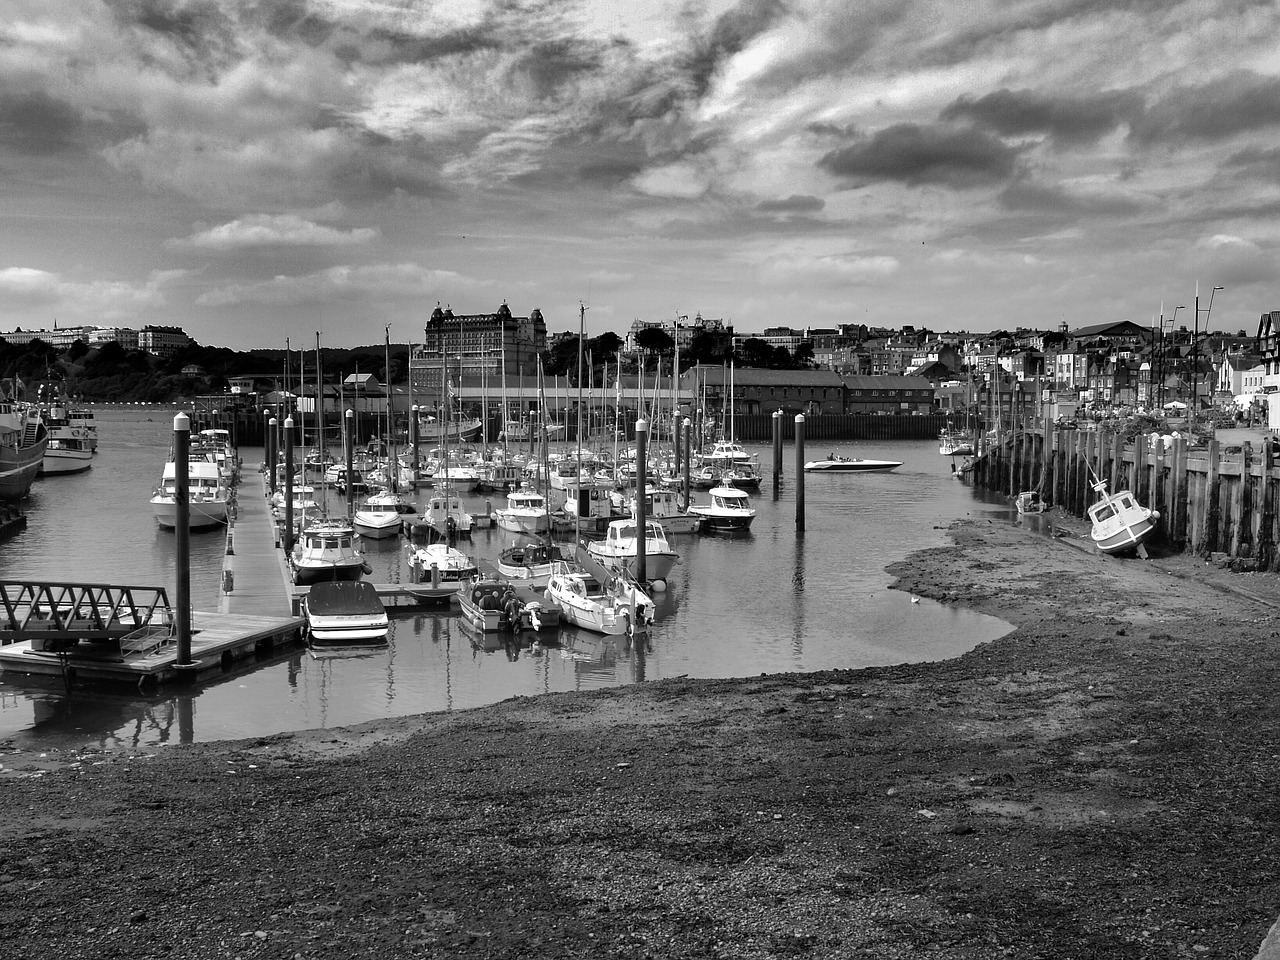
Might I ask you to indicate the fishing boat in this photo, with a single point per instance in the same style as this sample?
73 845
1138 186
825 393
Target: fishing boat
344 613
444 568
661 505
1119 522
589 596
443 518
729 509
526 512
70 449
326 551
383 515
839 464
619 548
23 439
208 495
529 563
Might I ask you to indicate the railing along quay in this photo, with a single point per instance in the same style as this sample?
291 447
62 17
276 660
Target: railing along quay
1213 499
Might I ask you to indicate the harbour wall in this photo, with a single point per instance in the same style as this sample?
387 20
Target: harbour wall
1221 498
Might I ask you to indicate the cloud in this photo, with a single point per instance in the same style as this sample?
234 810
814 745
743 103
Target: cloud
36 123
1237 103
839 269
681 180
792 204
1068 120
25 289
377 281
264 230
1095 197
914 154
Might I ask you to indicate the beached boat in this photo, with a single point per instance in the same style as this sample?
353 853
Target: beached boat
383 515
345 612
326 551
729 509
618 550
1119 522
839 464
23 439
1029 502
208 495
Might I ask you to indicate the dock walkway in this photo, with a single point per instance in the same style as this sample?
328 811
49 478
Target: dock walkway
255 576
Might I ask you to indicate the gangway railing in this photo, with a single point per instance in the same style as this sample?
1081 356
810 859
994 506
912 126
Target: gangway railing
55 616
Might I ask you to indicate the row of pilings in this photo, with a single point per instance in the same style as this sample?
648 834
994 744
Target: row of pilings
1211 499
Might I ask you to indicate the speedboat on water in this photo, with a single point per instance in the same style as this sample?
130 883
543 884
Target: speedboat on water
345 612
1120 522
839 464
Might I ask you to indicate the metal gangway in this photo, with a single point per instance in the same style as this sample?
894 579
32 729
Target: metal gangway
57 616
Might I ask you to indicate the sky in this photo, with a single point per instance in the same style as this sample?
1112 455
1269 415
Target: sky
257 172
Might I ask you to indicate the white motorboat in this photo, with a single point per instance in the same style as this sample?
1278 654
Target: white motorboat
618 550
729 509
443 518
661 505
614 606
345 612
1120 522
207 495
383 515
444 568
526 512
326 551
835 463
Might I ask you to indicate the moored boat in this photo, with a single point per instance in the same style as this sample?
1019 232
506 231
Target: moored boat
208 495
345 612
529 563
70 449
619 550
589 596
526 512
23 439
383 515
729 509
662 507
444 568
326 551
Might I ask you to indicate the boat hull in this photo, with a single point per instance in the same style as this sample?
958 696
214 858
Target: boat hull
203 514
727 522
305 574
1126 538
60 461
851 466
18 468
377 528
657 566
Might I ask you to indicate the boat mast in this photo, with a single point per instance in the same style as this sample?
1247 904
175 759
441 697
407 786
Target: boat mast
577 513
393 465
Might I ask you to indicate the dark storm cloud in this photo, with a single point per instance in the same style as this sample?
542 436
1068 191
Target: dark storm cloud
608 173
199 27
1069 121
546 68
792 204
393 47
35 123
732 32
1257 163
1052 199
913 154
1238 102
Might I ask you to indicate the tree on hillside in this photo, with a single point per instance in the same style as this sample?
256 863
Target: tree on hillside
655 340
710 347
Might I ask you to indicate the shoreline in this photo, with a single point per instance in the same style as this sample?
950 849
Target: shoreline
1098 782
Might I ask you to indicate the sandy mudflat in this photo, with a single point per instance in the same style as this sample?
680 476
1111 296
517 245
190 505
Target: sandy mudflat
1101 783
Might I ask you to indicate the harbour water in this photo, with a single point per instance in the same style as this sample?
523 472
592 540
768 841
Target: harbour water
738 605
